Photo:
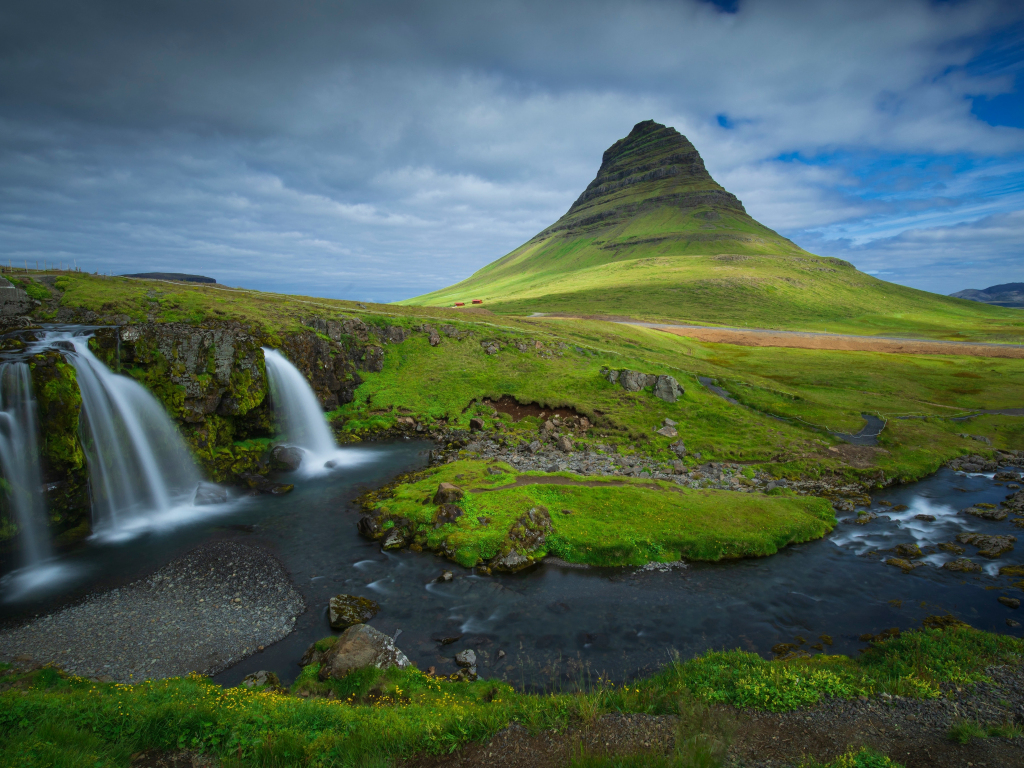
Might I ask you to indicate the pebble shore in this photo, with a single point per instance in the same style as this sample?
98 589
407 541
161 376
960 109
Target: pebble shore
203 612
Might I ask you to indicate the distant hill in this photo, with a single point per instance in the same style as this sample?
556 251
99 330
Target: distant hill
1003 295
654 236
179 276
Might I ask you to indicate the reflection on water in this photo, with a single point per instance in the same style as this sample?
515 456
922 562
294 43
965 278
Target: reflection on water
557 624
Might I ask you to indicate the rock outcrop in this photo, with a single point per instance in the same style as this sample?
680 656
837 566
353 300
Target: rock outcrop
343 611
664 387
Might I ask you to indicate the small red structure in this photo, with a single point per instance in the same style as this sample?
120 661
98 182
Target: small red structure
460 303
478 301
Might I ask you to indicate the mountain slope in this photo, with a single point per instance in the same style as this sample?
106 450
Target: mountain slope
1004 295
654 236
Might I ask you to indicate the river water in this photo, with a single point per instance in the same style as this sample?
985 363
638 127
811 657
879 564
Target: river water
558 625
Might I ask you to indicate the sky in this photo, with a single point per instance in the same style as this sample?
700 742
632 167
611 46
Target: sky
378 151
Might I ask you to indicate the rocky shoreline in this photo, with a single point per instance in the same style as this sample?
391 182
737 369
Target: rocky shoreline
202 613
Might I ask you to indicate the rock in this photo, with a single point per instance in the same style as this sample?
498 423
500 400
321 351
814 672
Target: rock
564 444
667 388
370 526
345 610
667 431
285 457
511 562
907 550
962 565
209 493
1009 602
261 679
490 347
986 512
900 508
1012 623
311 656
549 426
476 424
405 422
988 546
357 647
669 422
435 339
863 518
906 565
447 513
949 546
466 658
447 494
678 448
445 576
396 538
466 675
926 518
678 467
395 334
261 484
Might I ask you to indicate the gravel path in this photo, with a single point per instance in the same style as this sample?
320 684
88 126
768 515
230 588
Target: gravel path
200 613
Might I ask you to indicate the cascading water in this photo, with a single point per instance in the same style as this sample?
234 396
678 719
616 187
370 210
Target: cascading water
19 461
140 471
301 418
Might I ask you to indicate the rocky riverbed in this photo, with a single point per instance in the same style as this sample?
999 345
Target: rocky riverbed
200 613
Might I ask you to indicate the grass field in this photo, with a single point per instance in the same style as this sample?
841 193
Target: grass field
49 719
605 521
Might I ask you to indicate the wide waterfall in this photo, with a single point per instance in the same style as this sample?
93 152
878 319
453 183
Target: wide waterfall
140 471
19 461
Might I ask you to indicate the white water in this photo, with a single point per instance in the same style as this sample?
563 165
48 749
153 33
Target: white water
19 461
140 471
301 418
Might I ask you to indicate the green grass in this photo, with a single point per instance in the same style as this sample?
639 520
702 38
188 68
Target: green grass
48 718
625 522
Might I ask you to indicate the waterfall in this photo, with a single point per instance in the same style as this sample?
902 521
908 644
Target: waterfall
19 462
140 471
297 410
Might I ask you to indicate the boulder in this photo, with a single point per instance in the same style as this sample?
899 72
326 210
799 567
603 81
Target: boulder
466 658
345 610
668 431
370 526
907 550
396 538
678 467
260 484
564 444
667 388
906 565
511 562
285 457
988 546
678 448
670 422
357 647
476 424
261 679
209 493
634 381
1010 602
447 494
985 512
446 513
962 565
445 576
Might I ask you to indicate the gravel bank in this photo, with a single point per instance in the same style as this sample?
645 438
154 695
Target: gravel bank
200 613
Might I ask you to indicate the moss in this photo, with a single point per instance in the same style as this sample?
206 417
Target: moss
60 405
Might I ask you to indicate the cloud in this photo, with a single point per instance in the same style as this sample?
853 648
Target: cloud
393 148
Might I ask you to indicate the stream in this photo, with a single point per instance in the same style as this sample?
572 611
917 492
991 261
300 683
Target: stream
559 625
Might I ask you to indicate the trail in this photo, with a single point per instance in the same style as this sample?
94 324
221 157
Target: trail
763 337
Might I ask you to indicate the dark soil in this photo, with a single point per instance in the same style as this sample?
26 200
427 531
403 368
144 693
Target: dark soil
515 409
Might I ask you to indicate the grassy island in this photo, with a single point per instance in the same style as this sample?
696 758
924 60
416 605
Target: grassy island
598 520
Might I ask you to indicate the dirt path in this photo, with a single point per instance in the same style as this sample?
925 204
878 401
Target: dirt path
758 337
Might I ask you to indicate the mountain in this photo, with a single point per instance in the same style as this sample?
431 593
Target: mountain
1003 295
654 236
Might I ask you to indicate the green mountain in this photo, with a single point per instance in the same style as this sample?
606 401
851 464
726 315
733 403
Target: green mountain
653 236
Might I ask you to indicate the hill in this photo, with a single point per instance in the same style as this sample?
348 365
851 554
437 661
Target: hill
180 277
1003 295
654 236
